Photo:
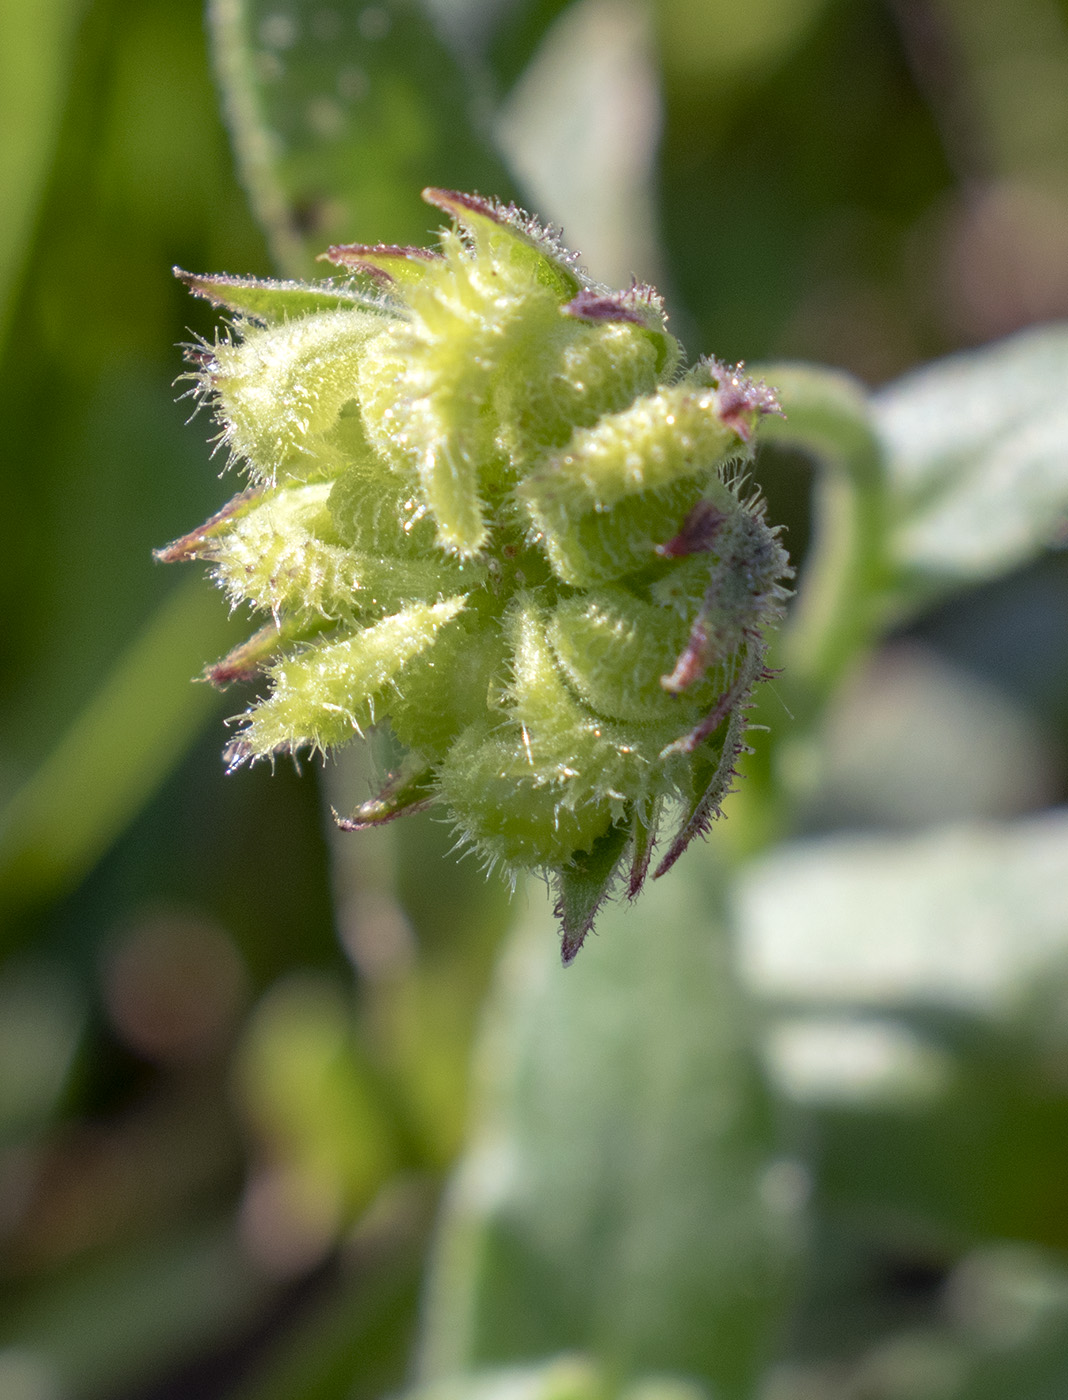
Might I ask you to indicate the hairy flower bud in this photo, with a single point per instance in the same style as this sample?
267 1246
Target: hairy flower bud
487 509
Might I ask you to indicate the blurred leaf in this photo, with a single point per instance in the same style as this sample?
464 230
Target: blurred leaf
921 995
562 1378
133 730
36 43
312 1096
1001 1333
616 1196
713 45
511 46
340 116
423 929
42 1016
912 740
965 918
120 1318
581 128
353 1341
978 461
968 1141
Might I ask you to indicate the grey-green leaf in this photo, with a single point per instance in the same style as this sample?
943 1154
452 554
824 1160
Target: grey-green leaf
915 990
559 1378
966 918
978 460
562 1378
621 1194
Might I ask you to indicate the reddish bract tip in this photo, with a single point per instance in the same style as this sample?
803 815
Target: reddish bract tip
571 940
697 534
374 259
592 306
198 543
453 201
712 720
639 866
246 661
233 669
742 399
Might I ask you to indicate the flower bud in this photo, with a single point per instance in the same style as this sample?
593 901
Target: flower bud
488 512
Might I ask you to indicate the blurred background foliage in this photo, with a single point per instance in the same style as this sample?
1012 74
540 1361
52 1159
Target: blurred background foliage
234 1047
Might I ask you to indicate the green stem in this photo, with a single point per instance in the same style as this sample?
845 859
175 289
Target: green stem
827 417
839 609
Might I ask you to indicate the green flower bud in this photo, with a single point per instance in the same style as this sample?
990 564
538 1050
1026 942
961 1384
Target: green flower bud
487 510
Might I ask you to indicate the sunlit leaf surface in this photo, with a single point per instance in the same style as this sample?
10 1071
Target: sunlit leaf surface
977 450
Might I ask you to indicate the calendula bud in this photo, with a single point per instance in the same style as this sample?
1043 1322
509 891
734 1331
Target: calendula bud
488 510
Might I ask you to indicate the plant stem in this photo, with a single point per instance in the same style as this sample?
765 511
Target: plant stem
838 609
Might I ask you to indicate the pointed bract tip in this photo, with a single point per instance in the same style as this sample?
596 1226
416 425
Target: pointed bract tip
196 545
372 814
743 400
570 943
200 543
402 793
455 203
573 932
381 261
211 286
639 865
233 669
247 660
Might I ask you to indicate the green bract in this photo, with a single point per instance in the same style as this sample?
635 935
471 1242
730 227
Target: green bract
488 509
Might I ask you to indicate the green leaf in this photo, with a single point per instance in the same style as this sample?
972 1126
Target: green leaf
131 732
340 116
978 461
42 1017
619 1195
36 45
110 1323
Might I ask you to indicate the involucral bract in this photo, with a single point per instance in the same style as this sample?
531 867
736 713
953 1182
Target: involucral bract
488 508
